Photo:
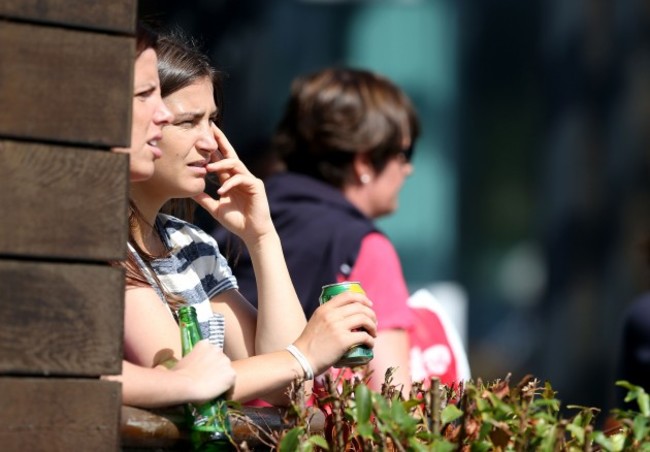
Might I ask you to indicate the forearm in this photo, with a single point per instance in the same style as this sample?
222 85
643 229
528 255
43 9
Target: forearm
280 370
280 318
152 387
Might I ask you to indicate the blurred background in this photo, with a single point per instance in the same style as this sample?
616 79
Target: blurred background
531 191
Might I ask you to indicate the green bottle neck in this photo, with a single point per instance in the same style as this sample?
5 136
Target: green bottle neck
189 325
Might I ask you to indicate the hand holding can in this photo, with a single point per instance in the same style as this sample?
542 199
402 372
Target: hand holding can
357 355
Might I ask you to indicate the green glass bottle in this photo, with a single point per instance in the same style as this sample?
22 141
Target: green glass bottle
210 428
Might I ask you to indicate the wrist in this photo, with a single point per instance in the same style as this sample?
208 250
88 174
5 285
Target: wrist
302 360
262 240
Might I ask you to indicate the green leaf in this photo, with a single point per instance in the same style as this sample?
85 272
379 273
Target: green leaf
291 440
640 428
627 385
365 430
644 403
411 403
481 446
401 417
381 405
577 432
484 431
363 401
548 443
450 413
613 443
544 418
638 393
585 417
548 391
552 404
618 441
416 446
319 441
482 405
500 407
440 446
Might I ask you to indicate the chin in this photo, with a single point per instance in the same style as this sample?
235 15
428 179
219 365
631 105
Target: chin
140 174
386 212
195 190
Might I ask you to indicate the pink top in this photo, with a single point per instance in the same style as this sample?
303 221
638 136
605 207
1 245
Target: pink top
379 271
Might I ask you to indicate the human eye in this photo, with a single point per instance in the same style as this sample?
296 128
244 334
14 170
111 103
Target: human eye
145 93
186 123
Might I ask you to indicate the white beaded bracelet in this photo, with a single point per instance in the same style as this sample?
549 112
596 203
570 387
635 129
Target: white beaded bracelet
306 367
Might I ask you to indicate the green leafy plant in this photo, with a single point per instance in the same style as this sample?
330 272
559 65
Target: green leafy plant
470 417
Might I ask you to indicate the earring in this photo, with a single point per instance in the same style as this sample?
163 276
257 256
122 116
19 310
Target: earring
364 178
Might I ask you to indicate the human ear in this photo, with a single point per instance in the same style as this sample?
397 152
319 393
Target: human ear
363 170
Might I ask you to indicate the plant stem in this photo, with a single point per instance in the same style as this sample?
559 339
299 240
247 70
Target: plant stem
588 432
338 418
396 442
559 436
435 408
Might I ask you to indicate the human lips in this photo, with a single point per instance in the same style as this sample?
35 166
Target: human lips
153 143
199 166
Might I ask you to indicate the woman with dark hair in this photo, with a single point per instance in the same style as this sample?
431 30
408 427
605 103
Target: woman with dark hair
270 347
205 372
149 113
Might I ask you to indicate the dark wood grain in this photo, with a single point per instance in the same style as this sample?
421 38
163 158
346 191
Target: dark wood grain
59 202
165 429
61 319
113 15
65 85
47 414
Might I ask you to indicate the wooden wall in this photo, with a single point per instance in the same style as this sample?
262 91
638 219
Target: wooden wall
65 100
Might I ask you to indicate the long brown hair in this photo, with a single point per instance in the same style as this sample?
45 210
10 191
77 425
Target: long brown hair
180 63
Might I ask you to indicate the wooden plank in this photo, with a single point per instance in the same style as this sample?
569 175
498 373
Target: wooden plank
59 414
165 429
113 15
61 319
65 85
60 202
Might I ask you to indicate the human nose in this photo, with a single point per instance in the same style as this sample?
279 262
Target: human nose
162 114
207 143
408 168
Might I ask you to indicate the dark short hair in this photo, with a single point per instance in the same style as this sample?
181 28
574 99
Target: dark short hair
335 113
145 38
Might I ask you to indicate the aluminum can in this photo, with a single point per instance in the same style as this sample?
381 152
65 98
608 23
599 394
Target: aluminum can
357 355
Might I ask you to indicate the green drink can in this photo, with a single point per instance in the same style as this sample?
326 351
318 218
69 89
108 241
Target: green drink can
357 355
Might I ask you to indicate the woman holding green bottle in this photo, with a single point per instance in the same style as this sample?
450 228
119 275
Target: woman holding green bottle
178 264
206 371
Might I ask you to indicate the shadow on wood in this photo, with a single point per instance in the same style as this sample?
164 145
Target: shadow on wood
163 429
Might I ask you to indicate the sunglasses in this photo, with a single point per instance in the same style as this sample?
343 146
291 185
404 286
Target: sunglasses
407 153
